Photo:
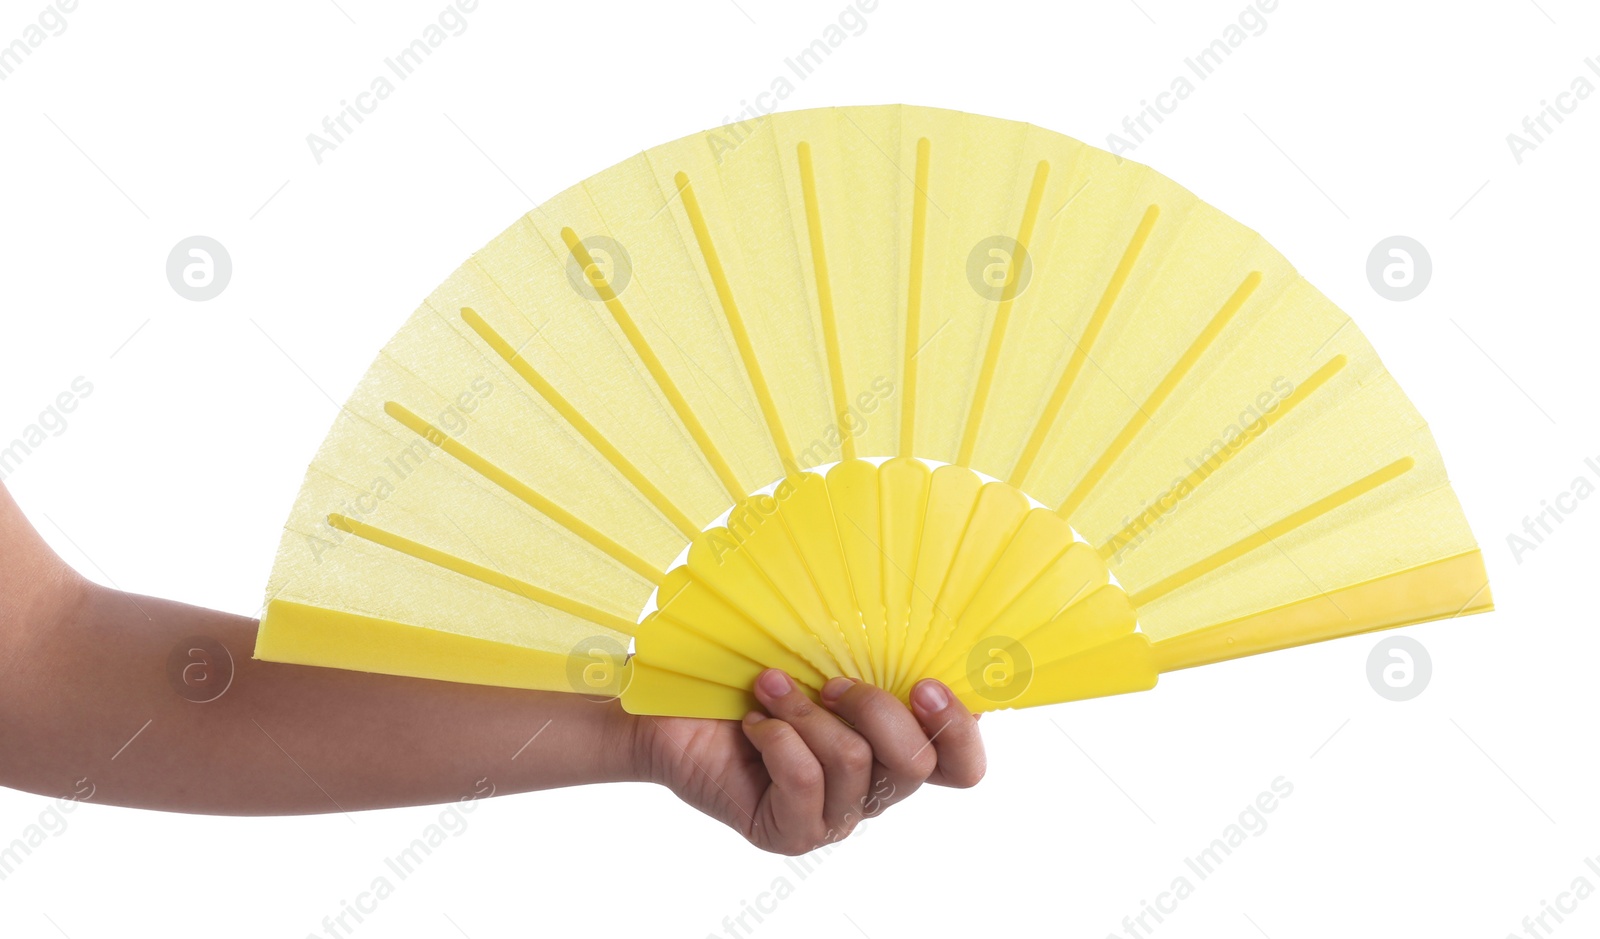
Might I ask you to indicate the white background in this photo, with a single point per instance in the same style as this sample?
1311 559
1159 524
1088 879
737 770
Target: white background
1456 813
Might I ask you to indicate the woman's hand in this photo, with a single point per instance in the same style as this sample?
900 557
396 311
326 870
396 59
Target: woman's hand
87 678
800 776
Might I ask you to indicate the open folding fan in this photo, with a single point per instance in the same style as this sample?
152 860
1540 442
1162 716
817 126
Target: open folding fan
1033 366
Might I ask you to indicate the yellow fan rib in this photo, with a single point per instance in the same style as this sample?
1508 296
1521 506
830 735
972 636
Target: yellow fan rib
522 491
680 405
1443 589
478 572
913 326
1081 348
311 635
1002 315
830 327
741 336
1231 449
1179 371
586 430
1276 530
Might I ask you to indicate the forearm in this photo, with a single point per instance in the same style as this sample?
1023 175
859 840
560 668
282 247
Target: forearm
150 703
86 694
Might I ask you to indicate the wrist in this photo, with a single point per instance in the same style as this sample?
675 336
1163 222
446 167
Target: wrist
629 736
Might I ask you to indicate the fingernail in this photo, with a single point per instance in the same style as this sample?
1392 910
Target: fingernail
754 717
930 696
774 683
835 689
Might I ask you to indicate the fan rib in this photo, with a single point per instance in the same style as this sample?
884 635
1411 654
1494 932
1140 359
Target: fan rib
845 652
703 611
476 462
772 551
585 429
1002 315
1141 417
918 646
970 553
1080 349
1046 581
830 326
741 336
1090 582
680 406
848 663
1277 529
913 325
855 495
480 573
1161 505
707 637
900 530
760 579
1441 589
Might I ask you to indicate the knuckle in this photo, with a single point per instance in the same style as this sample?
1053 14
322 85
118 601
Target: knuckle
870 707
971 775
882 796
773 730
800 708
856 695
807 775
876 699
856 756
924 763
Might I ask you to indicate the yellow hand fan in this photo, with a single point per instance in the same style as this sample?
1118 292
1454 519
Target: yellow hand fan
1033 367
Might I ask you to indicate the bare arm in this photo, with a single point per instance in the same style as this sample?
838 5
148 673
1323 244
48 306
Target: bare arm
89 702
83 668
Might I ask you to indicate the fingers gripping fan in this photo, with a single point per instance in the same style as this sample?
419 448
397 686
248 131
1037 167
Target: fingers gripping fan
886 392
